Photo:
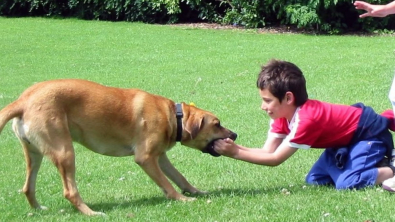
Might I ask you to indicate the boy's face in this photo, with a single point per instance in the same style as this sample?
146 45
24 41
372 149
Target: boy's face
274 108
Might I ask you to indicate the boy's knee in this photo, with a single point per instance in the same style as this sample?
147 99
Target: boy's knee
352 182
313 180
310 180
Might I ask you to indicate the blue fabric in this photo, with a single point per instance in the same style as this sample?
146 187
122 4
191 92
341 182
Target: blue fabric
354 166
341 156
358 172
373 126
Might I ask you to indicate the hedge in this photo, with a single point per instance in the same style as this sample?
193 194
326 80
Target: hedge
329 16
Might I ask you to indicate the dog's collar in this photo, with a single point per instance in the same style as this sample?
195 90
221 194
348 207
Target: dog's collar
179 116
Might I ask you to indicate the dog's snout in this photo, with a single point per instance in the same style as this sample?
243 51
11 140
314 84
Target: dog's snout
233 136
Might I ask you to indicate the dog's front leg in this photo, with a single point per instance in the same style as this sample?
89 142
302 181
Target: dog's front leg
174 175
150 165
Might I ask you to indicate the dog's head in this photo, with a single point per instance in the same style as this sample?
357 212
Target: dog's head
201 129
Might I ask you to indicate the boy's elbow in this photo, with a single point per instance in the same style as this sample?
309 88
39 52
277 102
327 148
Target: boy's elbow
276 162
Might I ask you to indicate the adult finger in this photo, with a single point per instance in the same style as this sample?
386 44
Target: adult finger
367 14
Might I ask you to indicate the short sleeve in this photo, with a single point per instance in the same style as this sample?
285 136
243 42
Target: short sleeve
304 134
278 128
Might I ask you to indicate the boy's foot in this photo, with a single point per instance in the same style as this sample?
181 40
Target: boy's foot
389 184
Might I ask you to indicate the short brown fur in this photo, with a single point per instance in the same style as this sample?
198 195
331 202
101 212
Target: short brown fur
50 115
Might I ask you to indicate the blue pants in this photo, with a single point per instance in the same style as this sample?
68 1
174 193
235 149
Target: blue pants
358 172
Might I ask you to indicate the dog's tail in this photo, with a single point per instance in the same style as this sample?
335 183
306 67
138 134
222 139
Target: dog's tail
9 112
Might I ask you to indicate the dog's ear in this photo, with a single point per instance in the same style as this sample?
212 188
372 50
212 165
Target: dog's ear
194 127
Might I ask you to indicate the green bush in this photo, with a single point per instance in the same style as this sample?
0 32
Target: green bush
330 16
246 13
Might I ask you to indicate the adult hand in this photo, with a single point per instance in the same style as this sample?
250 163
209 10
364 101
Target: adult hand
371 10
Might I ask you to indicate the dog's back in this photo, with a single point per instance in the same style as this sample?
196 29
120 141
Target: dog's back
88 110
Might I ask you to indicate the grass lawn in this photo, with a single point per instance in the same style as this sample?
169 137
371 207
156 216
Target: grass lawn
215 69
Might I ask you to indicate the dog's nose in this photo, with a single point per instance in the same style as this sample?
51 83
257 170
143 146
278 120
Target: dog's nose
233 136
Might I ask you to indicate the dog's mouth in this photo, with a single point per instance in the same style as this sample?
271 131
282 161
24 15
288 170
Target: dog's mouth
210 146
210 149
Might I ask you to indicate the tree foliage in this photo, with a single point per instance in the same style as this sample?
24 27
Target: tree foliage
330 16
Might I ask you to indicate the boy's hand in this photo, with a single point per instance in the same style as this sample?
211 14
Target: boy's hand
226 147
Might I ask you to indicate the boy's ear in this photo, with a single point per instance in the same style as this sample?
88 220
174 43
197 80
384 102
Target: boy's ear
289 97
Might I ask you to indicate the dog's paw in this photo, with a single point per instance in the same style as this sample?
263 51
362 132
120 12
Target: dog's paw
41 207
195 192
202 192
98 213
183 198
189 199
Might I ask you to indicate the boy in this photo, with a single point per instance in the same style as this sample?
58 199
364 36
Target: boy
355 138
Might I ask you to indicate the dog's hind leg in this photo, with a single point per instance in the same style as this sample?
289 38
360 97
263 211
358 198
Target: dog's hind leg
33 163
53 139
33 159
173 174
64 159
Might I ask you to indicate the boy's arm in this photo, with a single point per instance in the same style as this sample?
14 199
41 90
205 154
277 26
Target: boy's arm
270 146
280 152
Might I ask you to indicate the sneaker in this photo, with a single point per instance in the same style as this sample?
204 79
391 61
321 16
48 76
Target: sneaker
389 184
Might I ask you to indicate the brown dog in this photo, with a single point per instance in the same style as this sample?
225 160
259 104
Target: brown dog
50 115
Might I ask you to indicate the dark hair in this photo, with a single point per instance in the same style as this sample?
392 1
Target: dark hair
280 77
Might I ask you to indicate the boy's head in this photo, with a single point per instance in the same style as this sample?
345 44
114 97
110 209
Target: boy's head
280 78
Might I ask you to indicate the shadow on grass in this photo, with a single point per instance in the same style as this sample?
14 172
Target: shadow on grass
220 193
110 206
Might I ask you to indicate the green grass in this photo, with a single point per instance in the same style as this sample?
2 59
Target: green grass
215 69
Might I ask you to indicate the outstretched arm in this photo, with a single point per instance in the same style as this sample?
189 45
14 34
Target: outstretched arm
375 10
274 152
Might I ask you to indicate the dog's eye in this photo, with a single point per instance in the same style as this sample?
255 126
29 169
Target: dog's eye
218 124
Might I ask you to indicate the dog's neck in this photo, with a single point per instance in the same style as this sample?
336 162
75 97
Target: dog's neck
179 116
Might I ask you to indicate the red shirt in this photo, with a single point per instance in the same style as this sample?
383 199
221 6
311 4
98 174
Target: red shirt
318 124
